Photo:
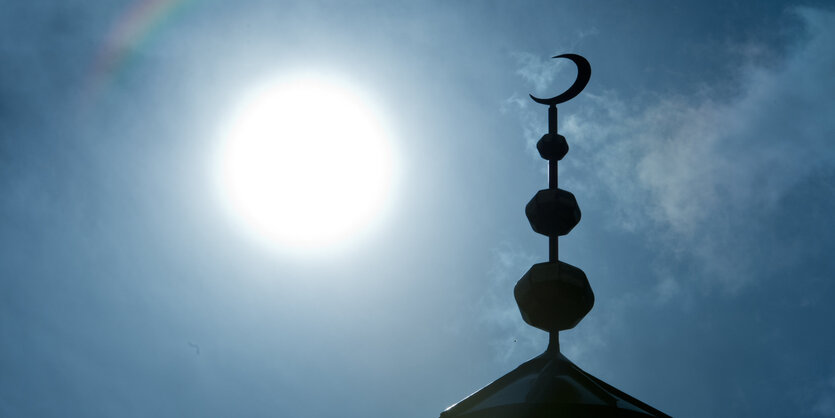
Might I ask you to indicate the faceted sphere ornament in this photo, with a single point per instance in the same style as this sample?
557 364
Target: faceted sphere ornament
552 147
553 212
554 296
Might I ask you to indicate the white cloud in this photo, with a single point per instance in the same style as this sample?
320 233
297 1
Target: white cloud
698 174
536 70
824 405
498 307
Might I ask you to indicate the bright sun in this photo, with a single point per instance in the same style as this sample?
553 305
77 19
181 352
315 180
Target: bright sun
305 162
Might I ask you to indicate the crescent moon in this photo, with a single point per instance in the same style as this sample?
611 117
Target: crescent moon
583 76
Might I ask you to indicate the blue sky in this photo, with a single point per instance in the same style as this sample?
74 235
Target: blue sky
701 156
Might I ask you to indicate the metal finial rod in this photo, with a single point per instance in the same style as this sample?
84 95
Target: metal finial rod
553 176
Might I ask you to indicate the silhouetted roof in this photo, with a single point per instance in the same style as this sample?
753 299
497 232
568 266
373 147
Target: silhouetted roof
549 386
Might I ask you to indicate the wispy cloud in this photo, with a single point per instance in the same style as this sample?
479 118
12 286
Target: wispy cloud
538 71
498 307
824 404
817 396
700 175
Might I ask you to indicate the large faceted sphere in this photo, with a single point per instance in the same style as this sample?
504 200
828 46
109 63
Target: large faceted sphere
554 296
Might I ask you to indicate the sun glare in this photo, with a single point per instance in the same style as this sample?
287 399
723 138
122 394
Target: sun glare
305 162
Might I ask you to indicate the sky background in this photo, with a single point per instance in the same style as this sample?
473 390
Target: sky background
702 157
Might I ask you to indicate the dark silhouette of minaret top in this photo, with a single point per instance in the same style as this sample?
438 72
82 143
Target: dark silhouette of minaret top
552 296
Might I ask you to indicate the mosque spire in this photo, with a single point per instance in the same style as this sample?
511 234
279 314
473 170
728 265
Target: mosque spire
552 296
555 296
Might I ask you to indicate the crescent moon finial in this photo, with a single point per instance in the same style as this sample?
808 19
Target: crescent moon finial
583 76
